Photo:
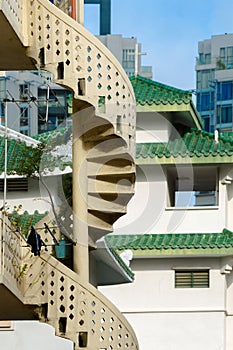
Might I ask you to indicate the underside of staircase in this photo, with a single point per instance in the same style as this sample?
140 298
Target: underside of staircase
36 35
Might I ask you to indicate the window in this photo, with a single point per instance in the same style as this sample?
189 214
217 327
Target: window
207 58
206 123
24 117
205 101
224 91
24 91
128 59
204 79
192 186
224 114
230 57
2 109
192 278
226 56
204 58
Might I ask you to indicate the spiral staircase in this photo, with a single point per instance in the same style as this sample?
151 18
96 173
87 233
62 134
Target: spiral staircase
37 35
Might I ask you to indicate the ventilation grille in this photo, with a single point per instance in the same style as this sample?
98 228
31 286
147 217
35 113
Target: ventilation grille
192 279
17 184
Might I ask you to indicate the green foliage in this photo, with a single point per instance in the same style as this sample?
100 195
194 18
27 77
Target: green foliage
220 64
22 270
15 218
29 164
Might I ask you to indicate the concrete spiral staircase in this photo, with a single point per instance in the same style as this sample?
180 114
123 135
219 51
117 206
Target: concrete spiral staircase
37 35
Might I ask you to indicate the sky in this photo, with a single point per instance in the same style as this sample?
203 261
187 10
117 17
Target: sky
169 31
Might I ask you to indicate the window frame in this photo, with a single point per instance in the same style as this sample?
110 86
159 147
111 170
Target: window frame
184 184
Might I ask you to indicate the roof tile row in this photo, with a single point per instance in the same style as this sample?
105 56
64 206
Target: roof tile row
151 92
194 143
171 241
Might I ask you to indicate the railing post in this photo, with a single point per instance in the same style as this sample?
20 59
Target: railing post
80 11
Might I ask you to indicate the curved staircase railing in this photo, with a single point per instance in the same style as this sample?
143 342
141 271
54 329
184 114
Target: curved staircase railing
56 295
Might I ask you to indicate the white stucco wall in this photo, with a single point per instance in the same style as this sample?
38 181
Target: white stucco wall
28 335
36 198
152 127
149 212
165 317
184 331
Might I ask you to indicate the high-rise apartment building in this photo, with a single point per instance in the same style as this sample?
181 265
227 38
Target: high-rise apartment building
128 52
32 103
214 82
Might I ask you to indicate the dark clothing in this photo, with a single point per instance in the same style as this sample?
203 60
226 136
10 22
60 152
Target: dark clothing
35 242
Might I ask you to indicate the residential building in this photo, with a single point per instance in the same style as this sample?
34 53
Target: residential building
214 80
34 103
128 52
35 284
177 234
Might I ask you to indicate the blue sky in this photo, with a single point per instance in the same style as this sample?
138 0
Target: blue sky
169 31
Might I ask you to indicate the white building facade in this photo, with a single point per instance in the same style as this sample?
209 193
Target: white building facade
178 228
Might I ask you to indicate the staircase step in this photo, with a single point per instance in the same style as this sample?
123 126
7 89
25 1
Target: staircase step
99 133
102 220
111 147
96 202
111 184
113 166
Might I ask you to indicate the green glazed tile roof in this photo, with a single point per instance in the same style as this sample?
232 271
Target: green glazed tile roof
25 220
195 143
15 150
58 136
58 148
19 152
174 243
151 92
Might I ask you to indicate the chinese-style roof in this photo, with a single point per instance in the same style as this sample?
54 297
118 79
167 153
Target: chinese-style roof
119 259
152 92
152 96
174 243
58 136
15 151
196 145
25 220
20 150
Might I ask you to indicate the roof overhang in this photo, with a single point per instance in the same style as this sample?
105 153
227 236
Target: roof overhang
185 114
217 160
182 253
110 267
